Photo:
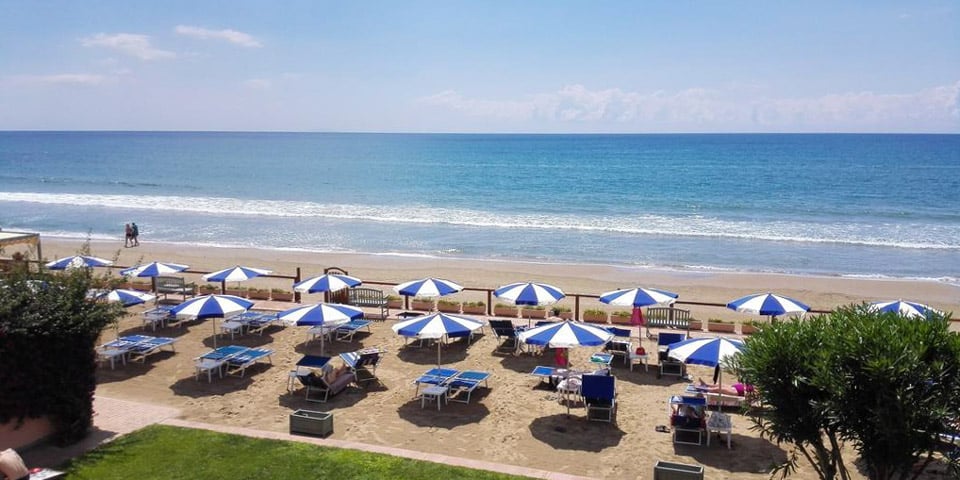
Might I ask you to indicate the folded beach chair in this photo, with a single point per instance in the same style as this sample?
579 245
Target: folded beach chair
506 335
434 376
599 394
619 346
465 382
363 364
216 359
141 350
345 332
239 363
667 365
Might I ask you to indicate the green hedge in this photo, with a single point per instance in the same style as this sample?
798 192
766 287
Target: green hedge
48 335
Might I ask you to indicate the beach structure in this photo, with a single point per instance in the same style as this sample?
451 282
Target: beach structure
768 304
322 318
78 261
428 288
235 274
905 308
438 327
213 307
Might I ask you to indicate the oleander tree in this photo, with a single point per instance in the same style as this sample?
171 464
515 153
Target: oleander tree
885 384
48 333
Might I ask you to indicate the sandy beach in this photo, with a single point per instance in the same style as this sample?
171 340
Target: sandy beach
515 421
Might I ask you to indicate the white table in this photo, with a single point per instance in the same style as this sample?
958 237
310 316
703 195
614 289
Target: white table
112 354
634 359
232 327
433 392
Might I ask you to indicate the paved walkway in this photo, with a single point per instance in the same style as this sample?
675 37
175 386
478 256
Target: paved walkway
118 417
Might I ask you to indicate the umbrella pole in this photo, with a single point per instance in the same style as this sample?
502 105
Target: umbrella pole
438 351
214 332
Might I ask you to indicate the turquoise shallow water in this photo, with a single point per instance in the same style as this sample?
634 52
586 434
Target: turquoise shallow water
882 205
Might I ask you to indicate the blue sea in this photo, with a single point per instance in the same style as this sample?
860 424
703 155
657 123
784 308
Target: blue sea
850 205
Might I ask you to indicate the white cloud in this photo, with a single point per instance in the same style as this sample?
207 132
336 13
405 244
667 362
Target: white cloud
702 109
258 83
232 36
132 44
86 79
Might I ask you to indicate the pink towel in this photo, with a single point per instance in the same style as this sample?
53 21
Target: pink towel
637 317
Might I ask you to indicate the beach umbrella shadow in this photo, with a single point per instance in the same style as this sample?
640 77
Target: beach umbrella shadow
565 432
193 388
763 453
413 353
123 373
348 397
450 416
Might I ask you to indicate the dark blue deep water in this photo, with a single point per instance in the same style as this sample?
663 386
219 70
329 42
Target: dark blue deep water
884 205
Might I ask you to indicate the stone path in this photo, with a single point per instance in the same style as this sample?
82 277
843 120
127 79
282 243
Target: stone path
116 417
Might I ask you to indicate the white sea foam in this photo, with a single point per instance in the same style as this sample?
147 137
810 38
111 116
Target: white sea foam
905 236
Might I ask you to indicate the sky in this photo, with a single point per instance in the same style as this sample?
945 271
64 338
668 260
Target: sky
481 66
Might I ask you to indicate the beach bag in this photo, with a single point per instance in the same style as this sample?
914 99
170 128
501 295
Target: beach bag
641 351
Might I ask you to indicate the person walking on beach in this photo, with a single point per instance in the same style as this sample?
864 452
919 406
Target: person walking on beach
127 235
135 234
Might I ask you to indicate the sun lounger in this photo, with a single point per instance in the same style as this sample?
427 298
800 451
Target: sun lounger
141 350
239 363
506 335
465 382
216 359
315 382
363 363
599 394
257 322
434 376
345 332
544 373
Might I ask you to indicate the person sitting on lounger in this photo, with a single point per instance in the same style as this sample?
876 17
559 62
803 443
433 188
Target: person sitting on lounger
737 389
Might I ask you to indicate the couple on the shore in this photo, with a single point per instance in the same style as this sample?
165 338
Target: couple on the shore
131 235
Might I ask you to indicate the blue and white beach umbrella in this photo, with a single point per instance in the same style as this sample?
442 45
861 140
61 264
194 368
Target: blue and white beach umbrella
566 334
320 314
437 326
212 306
326 283
428 288
127 297
705 351
153 269
78 261
528 293
638 297
330 314
235 274
768 304
906 309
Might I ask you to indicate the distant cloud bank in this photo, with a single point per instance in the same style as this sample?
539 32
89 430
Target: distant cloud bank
231 36
132 44
701 109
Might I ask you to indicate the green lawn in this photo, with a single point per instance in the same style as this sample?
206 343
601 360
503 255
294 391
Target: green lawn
164 452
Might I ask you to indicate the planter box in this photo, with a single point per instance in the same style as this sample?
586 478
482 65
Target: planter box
396 304
595 317
421 305
533 313
721 327
696 325
208 290
566 315
237 292
141 286
475 309
258 295
448 308
282 296
747 329
620 319
676 471
505 311
309 422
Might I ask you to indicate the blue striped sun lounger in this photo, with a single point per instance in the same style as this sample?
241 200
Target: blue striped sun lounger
239 363
216 359
141 350
434 376
346 331
465 382
543 372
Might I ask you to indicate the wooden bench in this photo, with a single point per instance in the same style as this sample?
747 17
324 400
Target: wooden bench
175 286
667 317
369 297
